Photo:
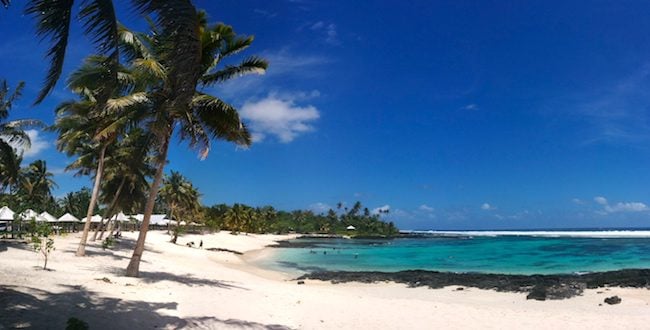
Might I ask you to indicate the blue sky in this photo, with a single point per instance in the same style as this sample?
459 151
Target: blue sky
454 115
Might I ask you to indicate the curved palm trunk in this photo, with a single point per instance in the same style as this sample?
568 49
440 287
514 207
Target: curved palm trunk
133 269
111 229
109 210
81 250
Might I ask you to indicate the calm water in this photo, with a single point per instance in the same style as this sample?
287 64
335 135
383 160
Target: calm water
464 253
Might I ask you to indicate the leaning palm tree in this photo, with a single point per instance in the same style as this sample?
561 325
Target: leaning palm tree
183 53
127 169
89 126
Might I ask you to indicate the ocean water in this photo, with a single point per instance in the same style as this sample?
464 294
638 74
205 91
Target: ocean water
540 252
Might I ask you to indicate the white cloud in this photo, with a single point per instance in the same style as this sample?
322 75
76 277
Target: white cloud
578 201
320 207
318 25
615 110
487 207
329 29
381 209
620 206
626 207
600 200
284 66
279 117
426 208
470 106
401 214
38 144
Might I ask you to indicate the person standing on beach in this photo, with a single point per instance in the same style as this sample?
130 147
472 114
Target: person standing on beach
201 244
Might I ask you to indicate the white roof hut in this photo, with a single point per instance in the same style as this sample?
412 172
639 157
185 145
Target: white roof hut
30 214
6 214
158 219
68 218
350 227
48 217
96 218
121 217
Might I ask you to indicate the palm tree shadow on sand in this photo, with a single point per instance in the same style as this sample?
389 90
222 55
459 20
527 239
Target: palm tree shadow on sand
185 279
27 307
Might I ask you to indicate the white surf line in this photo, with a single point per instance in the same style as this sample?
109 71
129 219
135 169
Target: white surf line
585 234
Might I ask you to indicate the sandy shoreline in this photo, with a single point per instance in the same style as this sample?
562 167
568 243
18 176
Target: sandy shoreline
182 287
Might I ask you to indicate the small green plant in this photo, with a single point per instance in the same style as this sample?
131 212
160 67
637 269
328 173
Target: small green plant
41 240
76 324
107 243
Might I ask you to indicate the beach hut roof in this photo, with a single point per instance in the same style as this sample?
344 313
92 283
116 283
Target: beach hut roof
96 218
48 217
30 214
158 219
350 227
6 214
121 217
68 218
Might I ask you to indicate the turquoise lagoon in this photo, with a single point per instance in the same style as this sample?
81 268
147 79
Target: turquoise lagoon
522 252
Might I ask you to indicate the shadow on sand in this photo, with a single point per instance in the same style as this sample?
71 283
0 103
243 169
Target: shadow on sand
26 307
6 244
186 279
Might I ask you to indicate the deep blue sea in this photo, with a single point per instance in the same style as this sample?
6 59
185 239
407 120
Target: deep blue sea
507 252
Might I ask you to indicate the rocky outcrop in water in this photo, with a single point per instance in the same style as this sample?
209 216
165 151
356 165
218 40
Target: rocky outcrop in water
538 287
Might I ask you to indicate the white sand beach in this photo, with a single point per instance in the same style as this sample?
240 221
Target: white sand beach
182 287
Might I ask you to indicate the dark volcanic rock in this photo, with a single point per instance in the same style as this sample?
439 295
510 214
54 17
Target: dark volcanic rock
613 300
224 250
539 287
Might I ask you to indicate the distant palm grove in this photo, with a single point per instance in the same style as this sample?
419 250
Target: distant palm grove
133 96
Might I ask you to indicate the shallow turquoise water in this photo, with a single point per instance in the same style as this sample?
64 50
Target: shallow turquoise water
500 254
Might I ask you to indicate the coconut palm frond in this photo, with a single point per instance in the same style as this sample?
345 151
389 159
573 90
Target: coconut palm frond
100 22
120 103
221 119
150 68
132 44
250 65
53 22
14 136
180 46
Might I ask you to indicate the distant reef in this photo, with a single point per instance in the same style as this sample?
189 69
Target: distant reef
538 287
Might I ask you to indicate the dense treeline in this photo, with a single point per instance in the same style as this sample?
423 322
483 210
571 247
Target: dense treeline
244 218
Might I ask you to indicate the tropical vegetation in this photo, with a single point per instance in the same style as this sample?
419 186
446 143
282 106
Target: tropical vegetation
131 98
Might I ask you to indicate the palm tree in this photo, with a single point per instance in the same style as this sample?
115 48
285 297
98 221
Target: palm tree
127 168
10 162
13 135
76 202
36 185
88 127
181 198
187 53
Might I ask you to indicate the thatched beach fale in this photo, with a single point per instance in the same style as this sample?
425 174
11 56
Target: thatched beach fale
189 287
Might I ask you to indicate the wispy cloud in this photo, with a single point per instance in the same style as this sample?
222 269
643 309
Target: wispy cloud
426 208
616 112
284 65
328 31
265 13
487 207
38 144
279 116
320 207
470 107
381 209
620 206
